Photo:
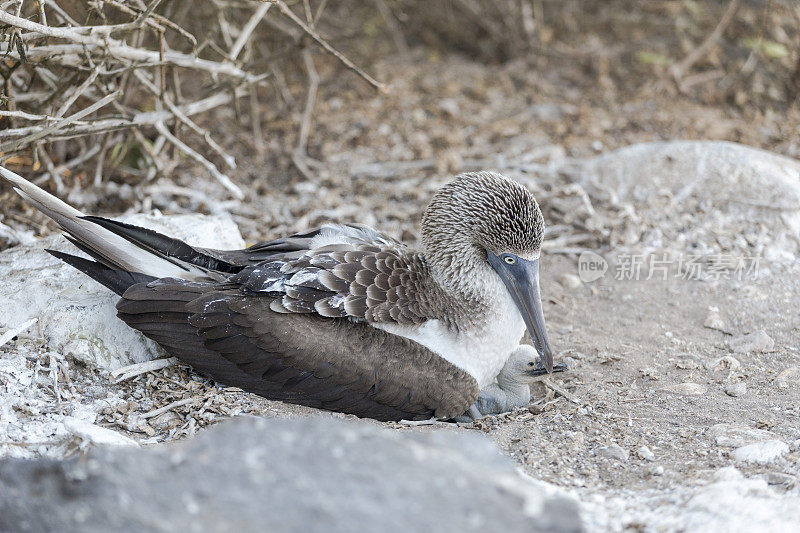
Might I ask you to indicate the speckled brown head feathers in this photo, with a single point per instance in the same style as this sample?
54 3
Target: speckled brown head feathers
479 211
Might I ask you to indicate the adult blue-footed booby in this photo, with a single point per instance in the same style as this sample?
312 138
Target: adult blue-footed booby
341 317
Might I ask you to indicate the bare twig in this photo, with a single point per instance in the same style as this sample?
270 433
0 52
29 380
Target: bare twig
393 27
168 407
299 156
229 160
224 180
566 394
94 43
13 332
131 371
247 30
677 71
76 94
330 49
145 118
15 144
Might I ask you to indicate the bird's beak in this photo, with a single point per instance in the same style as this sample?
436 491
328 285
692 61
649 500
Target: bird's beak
521 278
540 370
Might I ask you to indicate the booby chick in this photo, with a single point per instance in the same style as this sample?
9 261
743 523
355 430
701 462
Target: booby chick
340 317
512 389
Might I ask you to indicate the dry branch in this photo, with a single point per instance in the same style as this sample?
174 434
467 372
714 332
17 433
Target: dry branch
158 67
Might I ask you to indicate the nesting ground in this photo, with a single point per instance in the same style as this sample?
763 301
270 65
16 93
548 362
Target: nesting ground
655 367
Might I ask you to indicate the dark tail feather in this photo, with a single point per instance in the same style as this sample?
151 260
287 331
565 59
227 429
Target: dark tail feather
116 280
164 246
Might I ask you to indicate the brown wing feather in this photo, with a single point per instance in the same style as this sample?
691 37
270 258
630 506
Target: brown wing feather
374 284
333 364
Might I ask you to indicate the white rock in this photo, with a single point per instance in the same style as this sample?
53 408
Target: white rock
761 452
646 454
757 341
614 451
570 281
728 473
95 434
789 378
736 389
737 435
686 389
726 362
714 321
76 315
673 182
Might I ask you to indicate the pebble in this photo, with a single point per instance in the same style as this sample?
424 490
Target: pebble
757 341
714 320
686 389
166 421
736 389
789 378
570 281
657 470
786 481
726 362
727 473
764 452
737 435
614 451
646 454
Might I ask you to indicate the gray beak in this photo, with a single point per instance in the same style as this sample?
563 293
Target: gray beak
540 370
521 278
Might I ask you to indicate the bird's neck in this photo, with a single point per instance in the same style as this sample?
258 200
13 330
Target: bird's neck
520 390
463 273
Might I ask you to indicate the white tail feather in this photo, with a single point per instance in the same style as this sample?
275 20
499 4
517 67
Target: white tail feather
115 250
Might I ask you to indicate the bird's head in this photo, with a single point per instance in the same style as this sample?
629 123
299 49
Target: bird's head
484 218
524 365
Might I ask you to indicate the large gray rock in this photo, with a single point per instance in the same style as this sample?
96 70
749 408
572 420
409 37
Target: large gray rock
303 475
76 314
705 196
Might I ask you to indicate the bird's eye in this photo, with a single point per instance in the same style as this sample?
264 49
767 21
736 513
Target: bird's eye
509 259
530 364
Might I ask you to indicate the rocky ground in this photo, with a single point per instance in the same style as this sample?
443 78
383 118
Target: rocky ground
680 412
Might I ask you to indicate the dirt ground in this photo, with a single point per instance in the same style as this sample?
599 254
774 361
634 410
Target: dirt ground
377 159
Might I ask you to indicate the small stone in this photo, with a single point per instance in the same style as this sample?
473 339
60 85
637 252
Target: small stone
614 451
657 470
146 429
789 378
449 106
736 389
764 452
757 341
727 473
785 481
726 362
645 453
688 362
737 435
166 421
686 389
714 321
570 281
